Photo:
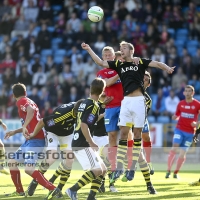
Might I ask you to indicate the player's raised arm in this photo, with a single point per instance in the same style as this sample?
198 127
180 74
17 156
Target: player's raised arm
162 66
96 58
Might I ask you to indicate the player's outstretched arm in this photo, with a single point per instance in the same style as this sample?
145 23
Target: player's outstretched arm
38 127
162 66
112 80
3 125
11 133
96 58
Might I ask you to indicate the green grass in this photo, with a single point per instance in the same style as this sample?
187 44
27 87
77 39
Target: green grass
136 189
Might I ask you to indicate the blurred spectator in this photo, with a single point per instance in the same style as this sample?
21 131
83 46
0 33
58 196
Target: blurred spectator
99 44
171 103
66 60
130 23
74 54
6 24
139 46
37 64
60 25
191 12
49 64
51 74
25 77
45 14
8 62
20 64
18 42
122 11
39 78
8 78
148 13
44 96
86 93
4 43
137 13
158 55
176 19
195 82
5 9
73 95
83 11
25 3
47 110
115 22
34 95
158 104
196 60
21 27
66 75
188 67
164 35
92 76
74 22
69 37
167 14
151 36
124 33
32 46
94 32
89 67
17 10
193 32
3 100
21 51
77 67
178 79
31 12
44 38
60 97
79 37
7 51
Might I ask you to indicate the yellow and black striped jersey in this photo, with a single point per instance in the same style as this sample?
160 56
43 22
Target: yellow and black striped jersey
61 121
148 101
88 113
100 129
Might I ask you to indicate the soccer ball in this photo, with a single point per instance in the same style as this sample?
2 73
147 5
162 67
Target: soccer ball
95 14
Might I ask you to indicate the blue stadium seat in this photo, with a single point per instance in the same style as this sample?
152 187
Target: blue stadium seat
192 50
56 7
182 31
61 52
185 9
171 31
58 59
179 50
179 43
163 119
51 28
151 119
197 97
56 41
192 43
46 52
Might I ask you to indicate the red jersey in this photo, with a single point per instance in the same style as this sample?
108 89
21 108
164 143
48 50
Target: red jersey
115 90
22 105
188 113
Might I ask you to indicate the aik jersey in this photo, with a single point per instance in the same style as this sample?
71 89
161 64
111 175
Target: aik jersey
88 113
148 101
99 129
61 121
131 75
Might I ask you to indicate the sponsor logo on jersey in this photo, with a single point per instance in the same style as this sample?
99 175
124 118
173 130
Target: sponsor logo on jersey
50 140
23 108
193 107
187 115
187 107
130 68
91 118
82 107
110 72
50 122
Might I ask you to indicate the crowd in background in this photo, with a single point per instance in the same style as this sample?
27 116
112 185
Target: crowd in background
40 47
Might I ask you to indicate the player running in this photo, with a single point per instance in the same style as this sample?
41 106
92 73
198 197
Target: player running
2 152
28 152
59 126
195 139
187 112
133 105
83 145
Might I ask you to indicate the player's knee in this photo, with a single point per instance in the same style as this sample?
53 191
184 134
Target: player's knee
124 131
29 171
1 144
97 172
137 133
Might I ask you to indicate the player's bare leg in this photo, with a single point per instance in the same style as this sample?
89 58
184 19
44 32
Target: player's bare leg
147 148
171 158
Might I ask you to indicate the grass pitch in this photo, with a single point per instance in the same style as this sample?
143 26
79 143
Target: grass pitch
136 189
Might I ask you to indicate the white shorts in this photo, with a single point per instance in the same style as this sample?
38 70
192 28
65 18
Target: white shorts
133 112
53 141
101 141
88 158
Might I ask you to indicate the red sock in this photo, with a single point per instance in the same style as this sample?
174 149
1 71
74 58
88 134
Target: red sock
147 148
16 178
171 158
179 164
112 157
38 176
130 153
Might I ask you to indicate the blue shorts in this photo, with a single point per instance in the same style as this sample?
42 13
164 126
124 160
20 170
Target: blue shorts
146 127
30 151
182 138
111 119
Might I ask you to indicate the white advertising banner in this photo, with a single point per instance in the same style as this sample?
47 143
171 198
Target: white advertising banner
156 130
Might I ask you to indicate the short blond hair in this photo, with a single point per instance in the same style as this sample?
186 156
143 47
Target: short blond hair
130 46
108 48
190 86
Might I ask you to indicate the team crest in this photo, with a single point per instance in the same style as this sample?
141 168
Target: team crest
50 122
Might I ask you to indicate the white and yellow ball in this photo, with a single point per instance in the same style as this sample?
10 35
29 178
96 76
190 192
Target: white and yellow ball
95 14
